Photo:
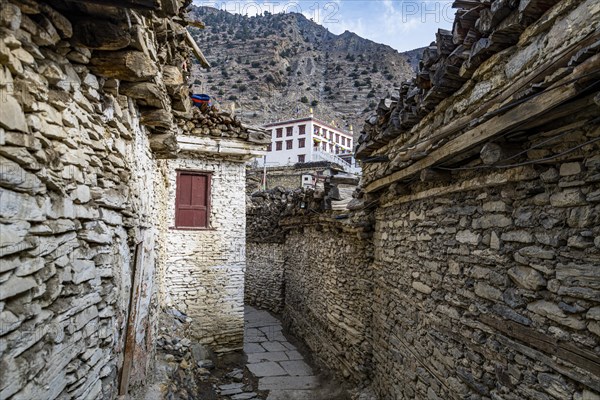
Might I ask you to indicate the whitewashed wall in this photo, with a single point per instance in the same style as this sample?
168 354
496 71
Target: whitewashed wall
204 276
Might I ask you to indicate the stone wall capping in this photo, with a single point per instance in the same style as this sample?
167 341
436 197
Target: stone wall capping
413 144
497 125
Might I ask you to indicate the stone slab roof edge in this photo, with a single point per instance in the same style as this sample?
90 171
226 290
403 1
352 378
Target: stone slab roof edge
528 111
227 147
479 31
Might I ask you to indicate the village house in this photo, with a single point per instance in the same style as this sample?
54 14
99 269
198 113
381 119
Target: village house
117 198
309 139
206 210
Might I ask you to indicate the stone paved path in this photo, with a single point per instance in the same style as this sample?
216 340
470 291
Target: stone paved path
277 364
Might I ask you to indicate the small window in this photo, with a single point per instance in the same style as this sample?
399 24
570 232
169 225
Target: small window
289 144
301 143
301 157
343 141
269 147
278 145
192 200
301 129
337 138
289 131
279 132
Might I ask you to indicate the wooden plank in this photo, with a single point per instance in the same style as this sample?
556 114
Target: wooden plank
568 370
562 112
500 178
522 113
197 52
584 360
132 315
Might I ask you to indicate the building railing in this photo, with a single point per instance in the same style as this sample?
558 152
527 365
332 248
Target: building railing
320 155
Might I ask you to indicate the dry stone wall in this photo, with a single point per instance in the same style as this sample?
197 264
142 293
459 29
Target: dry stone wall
264 280
316 271
483 281
77 181
264 277
204 276
328 279
486 246
491 293
485 286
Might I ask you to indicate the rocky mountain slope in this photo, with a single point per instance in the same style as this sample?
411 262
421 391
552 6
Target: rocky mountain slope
277 66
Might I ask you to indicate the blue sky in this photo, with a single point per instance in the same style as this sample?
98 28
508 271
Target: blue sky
402 24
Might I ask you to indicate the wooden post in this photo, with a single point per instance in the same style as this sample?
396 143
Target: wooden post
128 353
197 52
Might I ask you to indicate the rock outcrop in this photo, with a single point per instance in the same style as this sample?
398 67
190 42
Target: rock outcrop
272 66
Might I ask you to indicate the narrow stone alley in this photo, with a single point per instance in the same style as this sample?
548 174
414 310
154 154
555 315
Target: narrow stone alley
279 368
135 239
274 365
277 364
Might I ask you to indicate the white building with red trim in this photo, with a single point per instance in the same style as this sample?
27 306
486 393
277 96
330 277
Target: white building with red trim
309 139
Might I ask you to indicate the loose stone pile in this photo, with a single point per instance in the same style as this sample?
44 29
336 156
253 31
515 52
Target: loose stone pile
264 210
187 370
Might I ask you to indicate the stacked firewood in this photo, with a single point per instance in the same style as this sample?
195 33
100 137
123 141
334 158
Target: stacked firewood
481 28
264 209
218 123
